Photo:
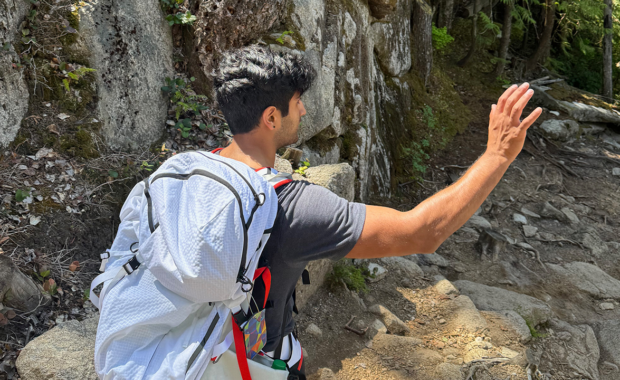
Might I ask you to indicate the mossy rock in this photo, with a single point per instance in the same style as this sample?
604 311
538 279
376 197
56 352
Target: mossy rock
80 144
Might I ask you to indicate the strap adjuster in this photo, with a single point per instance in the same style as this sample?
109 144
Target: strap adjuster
131 265
105 255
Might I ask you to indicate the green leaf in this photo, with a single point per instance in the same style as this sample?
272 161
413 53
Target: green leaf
166 89
187 123
202 126
185 134
113 174
25 31
86 295
65 82
192 79
63 65
20 195
45 273
73 76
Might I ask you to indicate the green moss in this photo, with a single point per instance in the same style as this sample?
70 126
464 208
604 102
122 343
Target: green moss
80 144
74 22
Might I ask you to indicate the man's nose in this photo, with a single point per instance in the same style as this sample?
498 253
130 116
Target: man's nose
303 109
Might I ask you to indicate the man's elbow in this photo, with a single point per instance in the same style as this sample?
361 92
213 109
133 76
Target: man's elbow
429 246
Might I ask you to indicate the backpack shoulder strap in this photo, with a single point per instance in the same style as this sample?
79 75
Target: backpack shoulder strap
275 178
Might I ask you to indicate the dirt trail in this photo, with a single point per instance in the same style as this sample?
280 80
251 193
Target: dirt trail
450 338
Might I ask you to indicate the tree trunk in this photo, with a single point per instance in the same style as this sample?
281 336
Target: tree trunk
607 51
17 290
544 46
422 29
474 34
446 14
505 41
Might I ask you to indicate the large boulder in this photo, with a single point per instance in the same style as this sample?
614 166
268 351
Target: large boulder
13 88
490 298
339 178
589 279
607 333
560 130
130 46
465 315
392 42
575 347
66 352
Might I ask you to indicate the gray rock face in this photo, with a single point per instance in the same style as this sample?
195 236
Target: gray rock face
607 334
590 279
560 130
497 299
590 114
594 243
392 322
130 46
329 156
410 268
392 42
448 371
577 347
65 352
466 315
13 88
338 178
382 8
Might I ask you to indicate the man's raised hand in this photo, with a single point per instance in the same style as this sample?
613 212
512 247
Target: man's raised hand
506 130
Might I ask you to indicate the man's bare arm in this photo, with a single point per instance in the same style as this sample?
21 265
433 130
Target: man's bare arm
389 232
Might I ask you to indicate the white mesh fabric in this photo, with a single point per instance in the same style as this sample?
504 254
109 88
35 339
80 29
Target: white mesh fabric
153 320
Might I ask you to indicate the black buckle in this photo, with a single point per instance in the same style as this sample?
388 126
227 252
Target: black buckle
131 265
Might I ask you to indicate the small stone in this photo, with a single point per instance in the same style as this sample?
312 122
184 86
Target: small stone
391 321
378 271
518 218
314 330
442 321
508 353
376 327
607 306
478 222
529 231
529 213
615 171
572 217
445 287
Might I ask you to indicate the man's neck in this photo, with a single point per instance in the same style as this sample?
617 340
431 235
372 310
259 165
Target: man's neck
246 150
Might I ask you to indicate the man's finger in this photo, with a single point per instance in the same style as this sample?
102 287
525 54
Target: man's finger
517 110
505 96
525 124
515 97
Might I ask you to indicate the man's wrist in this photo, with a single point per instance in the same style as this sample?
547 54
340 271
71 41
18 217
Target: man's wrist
496 158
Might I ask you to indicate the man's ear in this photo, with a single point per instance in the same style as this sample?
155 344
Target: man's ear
270 117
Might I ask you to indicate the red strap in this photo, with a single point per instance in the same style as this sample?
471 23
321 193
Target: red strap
301 361
242 359
282 183
266 273
216 150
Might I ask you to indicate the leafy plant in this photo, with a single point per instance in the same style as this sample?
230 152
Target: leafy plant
503 81
86 295
429 117
146 166
183 97
181 18
50 286
113 174
73 76
42 275
352 276
305 164
280 39
441 38
184 126
20 195
171 4
415 152
533 331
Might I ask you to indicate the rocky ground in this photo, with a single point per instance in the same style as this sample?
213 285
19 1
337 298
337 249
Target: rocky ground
528 288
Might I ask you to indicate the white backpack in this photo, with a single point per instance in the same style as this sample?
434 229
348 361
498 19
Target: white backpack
184 257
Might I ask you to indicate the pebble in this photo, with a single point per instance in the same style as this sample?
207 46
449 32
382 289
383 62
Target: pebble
607 306
572 217
518 218
379 272
529 231
616 172
314 330
529 213
442 321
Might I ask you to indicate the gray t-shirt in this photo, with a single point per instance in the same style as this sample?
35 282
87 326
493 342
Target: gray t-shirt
312 223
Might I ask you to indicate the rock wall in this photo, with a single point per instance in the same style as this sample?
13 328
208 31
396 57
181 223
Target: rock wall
130 46
13 87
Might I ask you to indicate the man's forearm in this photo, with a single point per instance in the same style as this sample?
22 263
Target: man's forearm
446 211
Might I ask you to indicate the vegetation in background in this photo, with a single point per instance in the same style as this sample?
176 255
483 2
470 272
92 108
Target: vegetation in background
185 102
354 277
177 15
441 38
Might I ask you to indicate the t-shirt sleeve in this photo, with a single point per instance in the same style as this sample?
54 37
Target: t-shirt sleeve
320 225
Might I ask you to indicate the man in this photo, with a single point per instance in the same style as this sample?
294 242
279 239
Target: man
259 92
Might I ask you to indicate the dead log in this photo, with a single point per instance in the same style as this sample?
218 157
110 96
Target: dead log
17 290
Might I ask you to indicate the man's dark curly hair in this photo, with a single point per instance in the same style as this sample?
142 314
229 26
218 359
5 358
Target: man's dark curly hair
251 79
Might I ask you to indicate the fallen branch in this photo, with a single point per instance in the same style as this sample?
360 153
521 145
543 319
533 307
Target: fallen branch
356 331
